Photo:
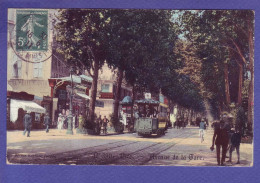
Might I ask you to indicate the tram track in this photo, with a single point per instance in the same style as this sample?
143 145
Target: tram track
130 156
142 156
120 152
60 157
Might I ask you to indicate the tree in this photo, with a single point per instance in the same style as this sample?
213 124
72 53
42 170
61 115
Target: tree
140 44
81 37
221 38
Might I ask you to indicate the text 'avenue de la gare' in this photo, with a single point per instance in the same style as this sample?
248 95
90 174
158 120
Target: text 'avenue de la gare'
176 157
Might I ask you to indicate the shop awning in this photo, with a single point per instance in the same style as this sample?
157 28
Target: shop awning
75 78
83 96
25 105
126 100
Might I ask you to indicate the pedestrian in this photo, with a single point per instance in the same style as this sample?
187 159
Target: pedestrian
201 129
81 123
60 122
136 114
65 122
235 144
73 121
47 122
27 121
98 125
183 124
220 139
178 123
104 124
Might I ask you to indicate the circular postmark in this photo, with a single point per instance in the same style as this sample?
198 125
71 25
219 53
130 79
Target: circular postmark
29 38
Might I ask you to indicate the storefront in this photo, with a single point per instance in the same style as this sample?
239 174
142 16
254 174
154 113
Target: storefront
17 104
61 90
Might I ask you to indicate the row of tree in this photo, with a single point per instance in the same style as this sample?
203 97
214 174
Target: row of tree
189 56
223 47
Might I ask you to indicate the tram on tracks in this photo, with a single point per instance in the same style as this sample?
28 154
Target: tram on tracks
150 118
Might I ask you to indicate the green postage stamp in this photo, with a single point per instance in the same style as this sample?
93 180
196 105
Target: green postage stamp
31 30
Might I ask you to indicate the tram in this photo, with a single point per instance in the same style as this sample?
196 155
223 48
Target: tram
149 118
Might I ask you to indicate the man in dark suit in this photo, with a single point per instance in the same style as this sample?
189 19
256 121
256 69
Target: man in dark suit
27 121
47 122
220 139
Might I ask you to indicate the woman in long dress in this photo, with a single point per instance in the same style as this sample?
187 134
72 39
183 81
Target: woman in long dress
60 122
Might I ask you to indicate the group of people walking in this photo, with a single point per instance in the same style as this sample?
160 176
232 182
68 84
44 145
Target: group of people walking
227 139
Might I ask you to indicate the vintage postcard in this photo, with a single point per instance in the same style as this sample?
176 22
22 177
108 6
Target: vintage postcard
146 87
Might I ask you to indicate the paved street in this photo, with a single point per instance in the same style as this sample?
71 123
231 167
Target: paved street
179 147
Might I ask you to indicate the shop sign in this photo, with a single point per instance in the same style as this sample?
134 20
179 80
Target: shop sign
99 103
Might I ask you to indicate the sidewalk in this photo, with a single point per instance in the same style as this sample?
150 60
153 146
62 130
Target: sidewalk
17 135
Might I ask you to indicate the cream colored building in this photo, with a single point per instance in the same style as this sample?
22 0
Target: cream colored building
106 90
31 77
29 71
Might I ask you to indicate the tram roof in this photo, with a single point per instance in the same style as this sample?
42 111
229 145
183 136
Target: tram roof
147 101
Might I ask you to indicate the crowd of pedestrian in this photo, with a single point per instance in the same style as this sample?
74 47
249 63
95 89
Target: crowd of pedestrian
101 125
179 123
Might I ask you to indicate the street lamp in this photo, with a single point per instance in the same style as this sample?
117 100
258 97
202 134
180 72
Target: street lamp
70 117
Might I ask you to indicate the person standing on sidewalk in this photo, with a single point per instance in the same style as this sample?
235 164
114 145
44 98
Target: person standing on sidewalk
47 122
27 121
104 124
60 122
220 139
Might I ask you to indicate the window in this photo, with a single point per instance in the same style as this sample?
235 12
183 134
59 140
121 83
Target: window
17 66
105 88
37 70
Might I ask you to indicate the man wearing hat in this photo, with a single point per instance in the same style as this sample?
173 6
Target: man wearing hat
47 122
27 121
220 139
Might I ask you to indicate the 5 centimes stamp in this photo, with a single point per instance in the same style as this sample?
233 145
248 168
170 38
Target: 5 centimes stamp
29 38
31 30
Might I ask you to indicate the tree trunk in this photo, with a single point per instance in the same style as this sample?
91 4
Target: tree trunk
240 84
226 84
251 85
118 94
93 92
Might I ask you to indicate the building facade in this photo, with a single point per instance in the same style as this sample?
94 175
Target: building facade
31 75
107 90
